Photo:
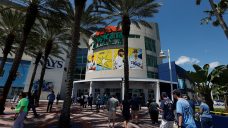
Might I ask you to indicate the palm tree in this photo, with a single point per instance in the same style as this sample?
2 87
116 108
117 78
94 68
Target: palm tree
79 6
126 12
203 80
53 37
217 10
79 21
31 14
32 11
11 23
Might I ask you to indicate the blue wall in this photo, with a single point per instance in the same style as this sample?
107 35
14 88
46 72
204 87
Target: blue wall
22 73
163 72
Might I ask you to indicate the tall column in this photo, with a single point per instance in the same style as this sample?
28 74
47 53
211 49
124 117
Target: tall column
90 87
122 89
157 91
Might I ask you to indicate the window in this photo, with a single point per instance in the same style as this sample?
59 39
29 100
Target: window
152 74
151 61
150 44
134 36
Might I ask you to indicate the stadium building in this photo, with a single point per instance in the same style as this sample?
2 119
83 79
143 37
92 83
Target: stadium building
104 70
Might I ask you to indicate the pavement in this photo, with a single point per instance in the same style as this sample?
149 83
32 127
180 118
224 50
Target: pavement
80 117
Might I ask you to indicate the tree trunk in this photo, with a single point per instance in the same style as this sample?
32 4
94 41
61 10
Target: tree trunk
47 52
219 18
38 57
8 46
226 102
31 15
209 100
125 32
64 121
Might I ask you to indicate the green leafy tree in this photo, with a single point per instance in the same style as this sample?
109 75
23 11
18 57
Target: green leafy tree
78 20
54 39
32 9
125 12
218 10
203 81
11 22
221 85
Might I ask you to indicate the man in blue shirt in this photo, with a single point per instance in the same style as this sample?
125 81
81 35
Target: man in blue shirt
51 98
184 111
206 118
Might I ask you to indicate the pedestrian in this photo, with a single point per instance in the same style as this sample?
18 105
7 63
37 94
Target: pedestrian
191 102
184 111
135 108
167 111
85 100
205 116
154 111
112 103
51 98
81 101
21 111
32 104
98 102
57 99
126 113
90 101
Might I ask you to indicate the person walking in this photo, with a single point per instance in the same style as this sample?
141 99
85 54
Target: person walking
21 111
85 100
90 101
112 103
205 116
57 99
184 111
98 102
32 104
135 108
153 111
51 98
167 110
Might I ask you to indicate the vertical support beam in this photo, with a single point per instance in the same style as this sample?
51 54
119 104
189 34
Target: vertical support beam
122 89
157 92
90 87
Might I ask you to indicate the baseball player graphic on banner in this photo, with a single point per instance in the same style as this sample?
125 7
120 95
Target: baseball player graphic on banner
134 61
113 59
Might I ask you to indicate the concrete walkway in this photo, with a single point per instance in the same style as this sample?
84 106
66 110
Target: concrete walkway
80 118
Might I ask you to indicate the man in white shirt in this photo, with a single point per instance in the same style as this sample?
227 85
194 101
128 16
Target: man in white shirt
134 61
118 63
111 105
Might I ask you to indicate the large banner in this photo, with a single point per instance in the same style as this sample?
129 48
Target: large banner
112 59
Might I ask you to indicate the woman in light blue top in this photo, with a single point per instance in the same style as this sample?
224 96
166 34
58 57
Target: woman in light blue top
205 116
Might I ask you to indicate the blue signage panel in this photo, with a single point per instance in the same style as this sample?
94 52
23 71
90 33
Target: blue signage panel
21 73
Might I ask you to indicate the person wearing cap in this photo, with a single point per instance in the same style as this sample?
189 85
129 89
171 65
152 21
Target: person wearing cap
92 64
21 111
135 62
184 111
118 63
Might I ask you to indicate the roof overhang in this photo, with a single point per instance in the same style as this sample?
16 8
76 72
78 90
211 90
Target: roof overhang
120 79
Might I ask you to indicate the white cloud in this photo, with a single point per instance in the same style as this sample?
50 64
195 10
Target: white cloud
186 60
214 64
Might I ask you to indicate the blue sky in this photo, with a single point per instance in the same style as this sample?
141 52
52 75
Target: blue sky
188 40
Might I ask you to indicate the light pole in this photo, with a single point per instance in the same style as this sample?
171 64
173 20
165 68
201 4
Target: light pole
162 55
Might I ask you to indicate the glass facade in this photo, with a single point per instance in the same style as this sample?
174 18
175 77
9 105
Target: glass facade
150 44
81 60
151 61
151 74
